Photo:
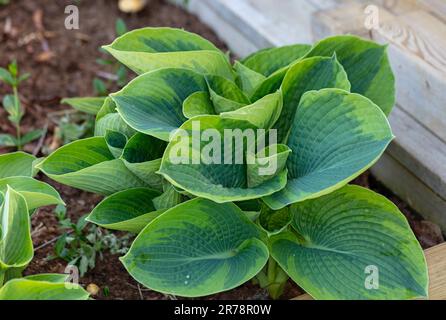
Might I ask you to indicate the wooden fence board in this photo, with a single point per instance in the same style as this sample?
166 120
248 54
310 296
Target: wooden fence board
418 56
418 149
436 7
236 41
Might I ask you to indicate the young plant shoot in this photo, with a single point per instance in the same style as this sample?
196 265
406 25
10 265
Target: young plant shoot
12 105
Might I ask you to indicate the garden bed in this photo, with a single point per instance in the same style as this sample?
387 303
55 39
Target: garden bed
63 64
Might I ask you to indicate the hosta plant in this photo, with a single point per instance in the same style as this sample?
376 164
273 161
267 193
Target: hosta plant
232 172
20 196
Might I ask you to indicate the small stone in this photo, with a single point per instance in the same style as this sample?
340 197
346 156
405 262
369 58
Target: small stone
93 289
131 6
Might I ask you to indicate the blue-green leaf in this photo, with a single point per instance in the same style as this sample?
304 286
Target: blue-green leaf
335 136
367 66
152 103
352 244
196 249
149 49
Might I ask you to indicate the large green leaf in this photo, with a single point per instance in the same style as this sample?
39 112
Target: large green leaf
148 49
335 136
90 105
196 249
107 107
116 142
344 242
16 247
170 198
36 193
269 85
49 277
198 104
273 64
16 164
214 166
129 210
248 80
268 61
260 169
263 113
152 103
366 64
112 122
225 94
108 118
89 165
274 221
28 289
308 74
142 156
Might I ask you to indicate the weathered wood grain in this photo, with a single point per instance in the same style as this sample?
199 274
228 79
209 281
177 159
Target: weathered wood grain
344 19
262 23
436 263
418 149
418 55
397 7
228 32
407 186
436 7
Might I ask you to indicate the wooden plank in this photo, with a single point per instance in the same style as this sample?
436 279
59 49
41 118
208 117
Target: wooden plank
419 150
236 41
436 263
256 28
423 35
264 23
293 17
344 19
436 7
350 16
397 7
418 56
390 172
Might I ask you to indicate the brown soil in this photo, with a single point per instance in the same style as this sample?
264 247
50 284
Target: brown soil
62 64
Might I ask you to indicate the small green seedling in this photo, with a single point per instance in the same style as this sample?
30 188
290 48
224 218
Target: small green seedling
12 105
120 71
76 126
81 242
